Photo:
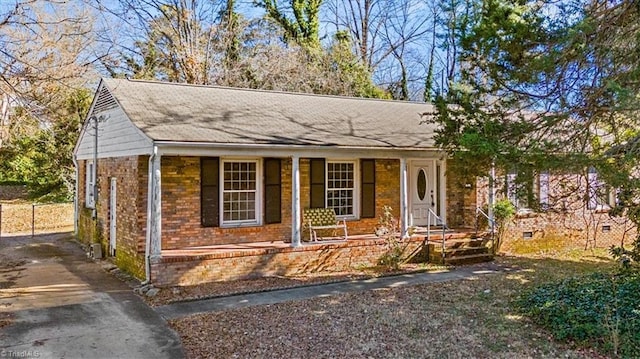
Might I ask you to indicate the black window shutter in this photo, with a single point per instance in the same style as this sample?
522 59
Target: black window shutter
317 182
272 191
368 188
210 191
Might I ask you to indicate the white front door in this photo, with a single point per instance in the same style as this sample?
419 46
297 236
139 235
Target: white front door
421 193
112 217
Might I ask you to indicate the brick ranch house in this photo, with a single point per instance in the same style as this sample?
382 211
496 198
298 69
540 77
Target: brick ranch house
185 184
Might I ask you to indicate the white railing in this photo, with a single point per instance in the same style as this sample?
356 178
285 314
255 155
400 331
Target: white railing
444 229
492 226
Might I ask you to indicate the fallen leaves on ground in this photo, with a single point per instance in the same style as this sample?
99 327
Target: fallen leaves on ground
217 289
473 318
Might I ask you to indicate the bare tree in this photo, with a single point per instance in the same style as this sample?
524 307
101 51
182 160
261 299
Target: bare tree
387 36
175 40
42 55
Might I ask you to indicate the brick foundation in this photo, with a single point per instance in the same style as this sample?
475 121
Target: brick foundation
592 228
332 257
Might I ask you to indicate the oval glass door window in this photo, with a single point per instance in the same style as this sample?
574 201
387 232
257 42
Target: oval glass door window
422 184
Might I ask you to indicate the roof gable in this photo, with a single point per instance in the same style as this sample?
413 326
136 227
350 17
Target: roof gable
117 135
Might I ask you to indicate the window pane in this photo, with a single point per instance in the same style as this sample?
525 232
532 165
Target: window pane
340 187
239 195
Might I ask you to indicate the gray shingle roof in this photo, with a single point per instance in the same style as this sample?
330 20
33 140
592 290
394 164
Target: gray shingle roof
177 112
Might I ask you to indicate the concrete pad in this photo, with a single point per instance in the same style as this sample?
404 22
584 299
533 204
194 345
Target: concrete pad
66 306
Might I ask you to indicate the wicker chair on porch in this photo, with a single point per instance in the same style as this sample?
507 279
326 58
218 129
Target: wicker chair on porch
322 218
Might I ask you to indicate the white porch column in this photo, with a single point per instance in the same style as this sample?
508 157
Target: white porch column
295 202
156 209
492 196
404 201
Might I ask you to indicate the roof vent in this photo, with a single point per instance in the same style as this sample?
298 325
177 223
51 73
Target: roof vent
105 101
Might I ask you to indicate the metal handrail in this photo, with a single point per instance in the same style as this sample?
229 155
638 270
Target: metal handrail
492 222
492 226
444 228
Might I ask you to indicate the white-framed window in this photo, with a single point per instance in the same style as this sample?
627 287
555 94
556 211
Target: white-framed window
341 188
544 179
599 195
521 190
90 181
512 188
241 192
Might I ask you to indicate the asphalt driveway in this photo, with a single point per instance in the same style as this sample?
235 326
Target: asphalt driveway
57 303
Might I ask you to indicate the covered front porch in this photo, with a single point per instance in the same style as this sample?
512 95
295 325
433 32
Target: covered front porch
194 265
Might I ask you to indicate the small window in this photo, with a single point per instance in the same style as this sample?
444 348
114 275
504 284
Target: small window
543 190
519 189
90 182
599 195
422 184
341 191
527 235
240 192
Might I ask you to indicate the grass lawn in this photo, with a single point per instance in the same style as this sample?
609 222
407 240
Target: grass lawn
459 319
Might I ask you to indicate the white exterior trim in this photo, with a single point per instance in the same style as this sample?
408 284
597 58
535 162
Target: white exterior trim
259 194
404 202
356 186
156 209
89 183
228 150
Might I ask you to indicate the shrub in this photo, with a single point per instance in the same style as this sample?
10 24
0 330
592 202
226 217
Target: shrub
388 229
503 211
601 309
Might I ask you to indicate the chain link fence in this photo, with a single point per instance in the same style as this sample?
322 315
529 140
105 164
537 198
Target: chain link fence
32 219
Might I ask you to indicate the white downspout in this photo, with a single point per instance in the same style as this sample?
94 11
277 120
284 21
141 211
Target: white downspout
147 247
75 197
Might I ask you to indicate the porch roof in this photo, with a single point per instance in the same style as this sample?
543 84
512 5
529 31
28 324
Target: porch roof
209 114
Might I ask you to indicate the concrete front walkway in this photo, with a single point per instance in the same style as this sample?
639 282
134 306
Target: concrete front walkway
62 305
182 309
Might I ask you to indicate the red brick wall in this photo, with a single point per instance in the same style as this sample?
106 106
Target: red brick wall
567 218
583 227
181 205
181 226
461 197
131 174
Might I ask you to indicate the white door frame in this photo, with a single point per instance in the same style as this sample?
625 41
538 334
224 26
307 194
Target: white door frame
437 185
430 195
113 215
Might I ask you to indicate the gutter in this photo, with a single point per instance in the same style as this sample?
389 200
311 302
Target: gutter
75 197
288 146
147 247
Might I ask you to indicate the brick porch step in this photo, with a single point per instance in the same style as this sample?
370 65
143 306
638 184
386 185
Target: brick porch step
460 250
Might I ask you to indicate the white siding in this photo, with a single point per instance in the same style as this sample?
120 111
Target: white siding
117 136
